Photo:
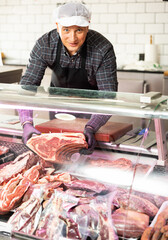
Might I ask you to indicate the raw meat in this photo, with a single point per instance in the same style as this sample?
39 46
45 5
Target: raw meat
130 224
26 216
15 188
12 193
80 193
46 188
155 199
21 163
120 163
57 147
139 204
106 229
50 225
86 185
142 168
72 228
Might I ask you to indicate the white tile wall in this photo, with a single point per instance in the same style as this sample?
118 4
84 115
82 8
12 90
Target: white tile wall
128 24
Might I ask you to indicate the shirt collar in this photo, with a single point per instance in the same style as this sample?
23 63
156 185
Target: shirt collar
67 53
77 53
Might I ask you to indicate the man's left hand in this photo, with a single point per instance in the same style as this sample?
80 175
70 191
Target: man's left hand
90 138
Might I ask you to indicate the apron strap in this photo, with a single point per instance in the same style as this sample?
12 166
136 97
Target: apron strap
57 60
83 55
58 54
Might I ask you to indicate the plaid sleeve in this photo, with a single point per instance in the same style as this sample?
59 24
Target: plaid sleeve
106 78
35 69
106 75
97 120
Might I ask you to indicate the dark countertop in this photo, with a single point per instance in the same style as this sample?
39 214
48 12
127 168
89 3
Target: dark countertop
140 71
24 62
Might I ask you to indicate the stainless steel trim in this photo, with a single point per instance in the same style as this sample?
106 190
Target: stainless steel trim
11 131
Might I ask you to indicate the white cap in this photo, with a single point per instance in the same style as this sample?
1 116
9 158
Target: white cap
71 14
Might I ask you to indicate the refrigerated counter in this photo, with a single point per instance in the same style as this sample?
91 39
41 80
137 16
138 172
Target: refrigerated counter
113 169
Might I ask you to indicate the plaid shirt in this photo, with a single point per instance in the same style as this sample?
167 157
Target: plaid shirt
100 65
100 60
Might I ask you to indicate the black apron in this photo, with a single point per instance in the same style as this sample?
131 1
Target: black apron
65 77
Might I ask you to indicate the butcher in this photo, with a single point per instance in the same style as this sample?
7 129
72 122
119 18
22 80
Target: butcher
79 57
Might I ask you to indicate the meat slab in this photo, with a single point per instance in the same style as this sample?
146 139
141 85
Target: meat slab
21 163
130 224
57 147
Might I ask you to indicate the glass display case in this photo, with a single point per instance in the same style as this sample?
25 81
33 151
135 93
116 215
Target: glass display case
49 190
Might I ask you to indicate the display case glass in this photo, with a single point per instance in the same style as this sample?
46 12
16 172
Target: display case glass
116 191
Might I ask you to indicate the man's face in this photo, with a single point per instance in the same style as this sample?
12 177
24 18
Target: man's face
72 37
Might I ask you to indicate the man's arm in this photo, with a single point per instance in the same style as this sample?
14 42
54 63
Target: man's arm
106 75
36 67
33 76
106 78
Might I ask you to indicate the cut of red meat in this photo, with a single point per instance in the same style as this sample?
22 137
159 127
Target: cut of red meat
86 185
57 147
130 224
120 163
136 203
22 162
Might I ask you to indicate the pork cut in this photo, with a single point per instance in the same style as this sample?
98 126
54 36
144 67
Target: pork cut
57 147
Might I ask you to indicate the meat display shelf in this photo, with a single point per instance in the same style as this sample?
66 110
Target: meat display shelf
119 179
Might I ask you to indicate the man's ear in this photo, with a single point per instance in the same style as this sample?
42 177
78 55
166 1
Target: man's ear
57 27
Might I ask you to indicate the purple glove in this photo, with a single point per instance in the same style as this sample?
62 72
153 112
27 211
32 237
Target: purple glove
28 131
90 138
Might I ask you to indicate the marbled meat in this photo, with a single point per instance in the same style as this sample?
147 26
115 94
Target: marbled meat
22 162
57 147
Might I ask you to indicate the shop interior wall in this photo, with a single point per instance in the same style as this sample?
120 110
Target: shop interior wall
128 24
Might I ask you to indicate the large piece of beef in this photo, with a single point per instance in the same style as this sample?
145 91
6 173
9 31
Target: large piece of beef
57 147
129 224
22 162
136 203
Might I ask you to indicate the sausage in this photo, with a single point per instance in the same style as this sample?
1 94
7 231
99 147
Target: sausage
157 235
148 233
160 222
164 229
163 237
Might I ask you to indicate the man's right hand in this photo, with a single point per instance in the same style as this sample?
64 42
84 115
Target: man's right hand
28 131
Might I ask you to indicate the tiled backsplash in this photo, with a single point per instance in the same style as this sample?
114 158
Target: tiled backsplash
128 24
